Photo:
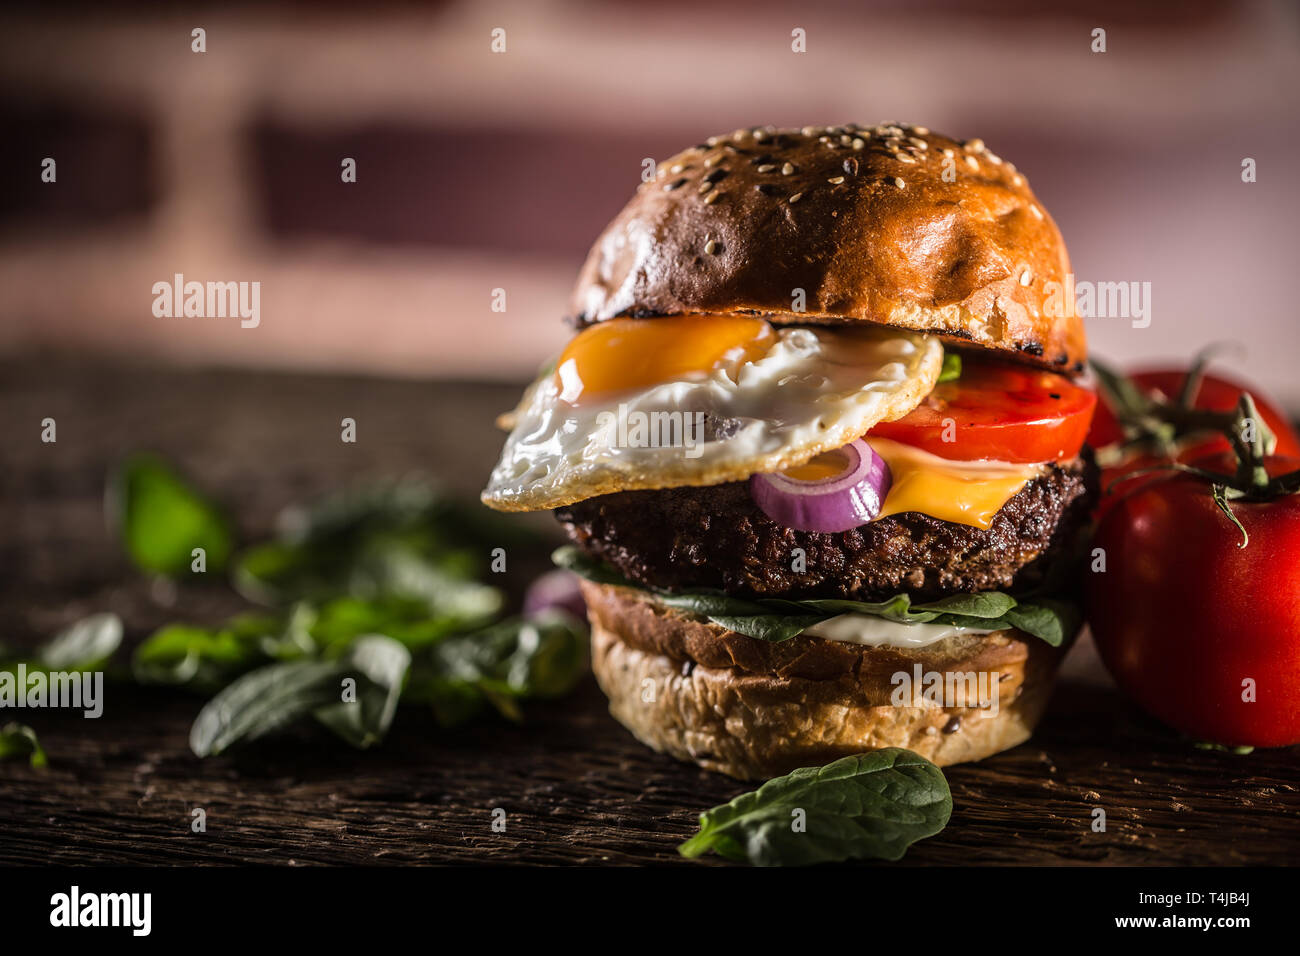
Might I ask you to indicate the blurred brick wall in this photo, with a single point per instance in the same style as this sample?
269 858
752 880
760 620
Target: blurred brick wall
479 171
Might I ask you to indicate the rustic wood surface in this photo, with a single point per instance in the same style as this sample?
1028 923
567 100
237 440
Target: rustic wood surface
575 786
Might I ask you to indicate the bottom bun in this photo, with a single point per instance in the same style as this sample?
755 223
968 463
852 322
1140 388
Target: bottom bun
753 709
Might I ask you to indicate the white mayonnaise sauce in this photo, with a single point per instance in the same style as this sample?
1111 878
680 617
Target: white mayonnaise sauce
878 632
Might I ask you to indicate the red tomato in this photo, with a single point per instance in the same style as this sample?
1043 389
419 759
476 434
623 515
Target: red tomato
1183 616
997 411
1218 394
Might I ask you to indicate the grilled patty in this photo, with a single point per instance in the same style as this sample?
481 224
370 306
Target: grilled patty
716 537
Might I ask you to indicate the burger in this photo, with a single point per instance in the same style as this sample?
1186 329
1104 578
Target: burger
818 446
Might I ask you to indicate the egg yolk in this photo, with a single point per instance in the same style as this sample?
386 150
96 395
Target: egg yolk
828 464
621 354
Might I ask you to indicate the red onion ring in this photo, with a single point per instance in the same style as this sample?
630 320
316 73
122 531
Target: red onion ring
839 503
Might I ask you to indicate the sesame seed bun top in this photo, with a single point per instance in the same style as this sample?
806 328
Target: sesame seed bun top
893 225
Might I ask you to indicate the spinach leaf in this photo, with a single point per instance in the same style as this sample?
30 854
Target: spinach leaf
201 658
408 620
162 518
1051 620
19 740
775 620
392 542
571 558
263 701
768 627
363 722
85 645
206 659
951 370
269 698
1240 750
513 660
871 806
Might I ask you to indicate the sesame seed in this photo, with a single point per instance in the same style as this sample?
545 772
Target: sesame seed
975 145
972 162
760 135
920 144
993 158
711 247
739 135
766 168
904 158
846 140
705 186
899 183
787 169
859 143
710 162
920 131
851 166
677 168
1038 213
711 198
713 140
1026 277
947 153
796 197
836 180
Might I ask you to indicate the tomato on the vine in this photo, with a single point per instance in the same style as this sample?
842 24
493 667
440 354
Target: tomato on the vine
1203 633
1214 394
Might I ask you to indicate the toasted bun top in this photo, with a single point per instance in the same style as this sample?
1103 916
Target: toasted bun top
894 225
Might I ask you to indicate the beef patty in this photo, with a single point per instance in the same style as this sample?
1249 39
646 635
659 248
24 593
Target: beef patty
716 537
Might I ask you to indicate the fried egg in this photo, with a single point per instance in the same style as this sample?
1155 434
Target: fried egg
701 400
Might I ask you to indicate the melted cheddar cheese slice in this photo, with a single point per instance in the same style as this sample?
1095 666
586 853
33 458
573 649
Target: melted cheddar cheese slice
963 492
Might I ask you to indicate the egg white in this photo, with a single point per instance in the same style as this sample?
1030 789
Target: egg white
812 390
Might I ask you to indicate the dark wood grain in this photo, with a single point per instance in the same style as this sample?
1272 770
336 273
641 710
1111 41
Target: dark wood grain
575 786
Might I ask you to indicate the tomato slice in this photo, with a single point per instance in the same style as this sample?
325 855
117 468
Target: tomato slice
999 412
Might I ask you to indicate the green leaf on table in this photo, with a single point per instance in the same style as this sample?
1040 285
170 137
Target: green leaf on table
84 645
364 721
203 658
870 806
1241 750
19 740
206 659
272 697
162 518
338 621
392 540
263 701
517 659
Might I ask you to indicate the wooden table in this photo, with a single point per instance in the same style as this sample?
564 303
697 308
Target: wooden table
575 786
